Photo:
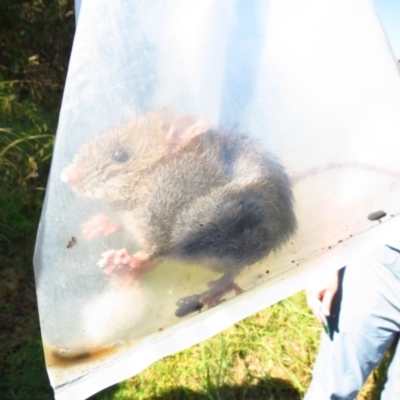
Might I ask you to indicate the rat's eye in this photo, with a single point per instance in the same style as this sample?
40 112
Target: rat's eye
120 156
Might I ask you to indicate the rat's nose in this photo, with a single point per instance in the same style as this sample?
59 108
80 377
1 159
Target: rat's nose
71 174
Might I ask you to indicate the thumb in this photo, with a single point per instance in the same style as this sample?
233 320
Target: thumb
327 302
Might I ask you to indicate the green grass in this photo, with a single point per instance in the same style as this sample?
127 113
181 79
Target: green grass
267 356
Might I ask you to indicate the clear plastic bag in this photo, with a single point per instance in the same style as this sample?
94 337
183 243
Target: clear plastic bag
208 151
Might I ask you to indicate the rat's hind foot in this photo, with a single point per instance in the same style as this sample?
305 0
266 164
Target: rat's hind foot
214 296
210 298
99 225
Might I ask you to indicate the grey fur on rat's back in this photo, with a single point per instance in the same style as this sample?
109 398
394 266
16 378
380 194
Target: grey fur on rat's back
219 199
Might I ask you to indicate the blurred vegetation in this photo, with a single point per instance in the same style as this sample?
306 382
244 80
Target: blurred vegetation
35 44
267 356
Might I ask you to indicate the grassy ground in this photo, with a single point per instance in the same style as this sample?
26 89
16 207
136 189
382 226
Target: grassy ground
267 356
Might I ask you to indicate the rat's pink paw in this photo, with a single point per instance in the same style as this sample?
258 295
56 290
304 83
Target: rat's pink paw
112 259
99 225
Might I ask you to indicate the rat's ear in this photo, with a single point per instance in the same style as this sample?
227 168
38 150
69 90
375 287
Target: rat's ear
185 128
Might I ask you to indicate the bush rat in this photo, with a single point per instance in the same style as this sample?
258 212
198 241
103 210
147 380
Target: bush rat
188 191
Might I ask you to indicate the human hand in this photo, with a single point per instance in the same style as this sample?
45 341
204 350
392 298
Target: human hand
320 295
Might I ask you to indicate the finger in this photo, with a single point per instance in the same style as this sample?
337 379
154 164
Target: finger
313 302
327 302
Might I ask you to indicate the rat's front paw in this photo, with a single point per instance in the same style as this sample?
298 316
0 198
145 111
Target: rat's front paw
99 225
112 259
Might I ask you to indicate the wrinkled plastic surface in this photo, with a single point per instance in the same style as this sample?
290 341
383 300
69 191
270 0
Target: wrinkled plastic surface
316 90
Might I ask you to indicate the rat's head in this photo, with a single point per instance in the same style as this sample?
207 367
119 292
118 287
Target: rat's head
110 165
